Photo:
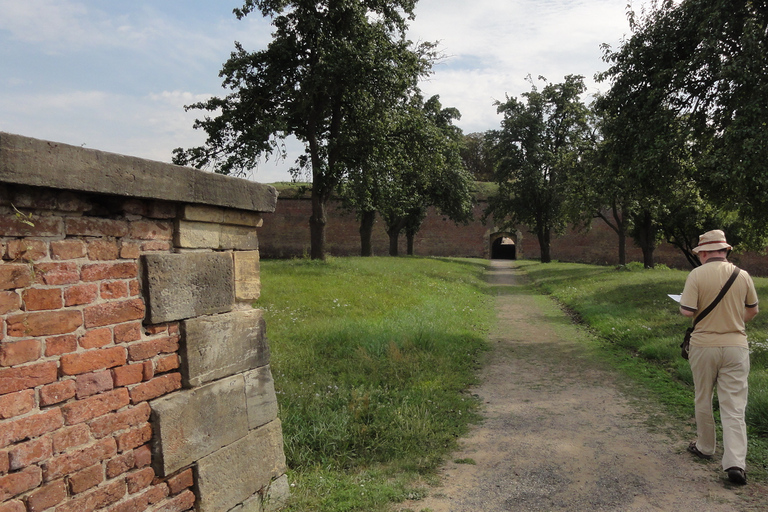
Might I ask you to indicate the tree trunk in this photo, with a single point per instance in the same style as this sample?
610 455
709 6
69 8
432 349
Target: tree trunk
366 230
409 238
394 236
317 227
622 247
544 244
646 238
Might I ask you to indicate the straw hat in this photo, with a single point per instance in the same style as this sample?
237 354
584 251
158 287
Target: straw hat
712 241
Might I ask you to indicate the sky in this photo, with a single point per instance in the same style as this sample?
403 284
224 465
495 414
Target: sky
114 75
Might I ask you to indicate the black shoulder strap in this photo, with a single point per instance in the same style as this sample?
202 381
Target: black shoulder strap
719 297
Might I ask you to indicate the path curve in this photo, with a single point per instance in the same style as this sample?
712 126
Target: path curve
559 435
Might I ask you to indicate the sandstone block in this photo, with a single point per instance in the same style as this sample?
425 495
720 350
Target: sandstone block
197 235
247 275
217 346
236 472
239 238
260 396
192 424
180 286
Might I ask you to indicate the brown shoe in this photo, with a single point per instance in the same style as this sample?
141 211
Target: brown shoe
694 450
737 475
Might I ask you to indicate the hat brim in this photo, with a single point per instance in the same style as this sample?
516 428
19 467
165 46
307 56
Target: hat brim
711 247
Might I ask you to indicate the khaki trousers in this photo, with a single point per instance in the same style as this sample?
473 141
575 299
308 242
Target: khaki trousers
728 369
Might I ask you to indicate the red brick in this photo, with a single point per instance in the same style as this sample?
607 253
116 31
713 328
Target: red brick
92 383
183 480
39 299
161 210
5 463
20 352
57 273
151 348
57 345
15 275
47 496
44 323
143 501
149 369
173 328
126 375
26 454
122 420
151 230
127 332
111 290
180 503
25 377
96 338
156 387
71 462
95 406
81 294
104 271
130 251
99 498
143 455
156 329
70 437
27 250
12 431
133 288
10 225
13 506
113 313
91 360
121 464
102 249
155 245
85 479
13 484
134 438
167 363
16 404
93 226
139 480
57 392
9 301
67 249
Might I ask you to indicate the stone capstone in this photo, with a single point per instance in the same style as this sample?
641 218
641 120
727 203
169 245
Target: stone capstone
179 286
218 346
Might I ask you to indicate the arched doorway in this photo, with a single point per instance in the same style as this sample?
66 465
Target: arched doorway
503 246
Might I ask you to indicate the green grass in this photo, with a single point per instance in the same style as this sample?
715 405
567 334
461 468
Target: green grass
628 307
372 358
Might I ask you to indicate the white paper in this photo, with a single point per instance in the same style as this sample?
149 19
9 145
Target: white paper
675 298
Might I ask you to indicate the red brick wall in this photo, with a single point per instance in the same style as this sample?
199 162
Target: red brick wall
77 365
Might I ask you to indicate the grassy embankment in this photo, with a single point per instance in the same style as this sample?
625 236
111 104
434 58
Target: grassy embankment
372 357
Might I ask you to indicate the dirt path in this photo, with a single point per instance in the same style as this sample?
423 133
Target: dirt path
559 434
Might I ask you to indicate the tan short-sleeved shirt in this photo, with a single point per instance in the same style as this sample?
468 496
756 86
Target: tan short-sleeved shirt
723 326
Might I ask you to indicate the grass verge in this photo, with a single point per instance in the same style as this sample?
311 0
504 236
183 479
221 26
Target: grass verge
628 307
372 358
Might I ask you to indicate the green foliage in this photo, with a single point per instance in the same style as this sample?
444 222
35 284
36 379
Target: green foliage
538 146
372 358
629 308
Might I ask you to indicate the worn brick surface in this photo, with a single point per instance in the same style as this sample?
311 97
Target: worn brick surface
38 299
114 290
183 480
99 315
140 479
19 352
16 404
92 226
57 392
151 230
57 273
156 387
9 301
14 430
47 496
13 484
103 249
98 498
57 345
143 456
44 323
85 479
71 462
180 503
15 275
27 250
128 374
130 250
91 360
13 506
25 454
92 383
134 438
80 294
96 338
70 437
101 271
67 249
120 464
29 376
122 420
151 348
142 501
167 363
130 331
95 406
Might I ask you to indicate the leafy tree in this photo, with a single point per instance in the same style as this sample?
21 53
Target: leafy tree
540 143
332 65
476 153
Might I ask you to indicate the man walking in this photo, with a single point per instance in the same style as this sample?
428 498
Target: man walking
719 354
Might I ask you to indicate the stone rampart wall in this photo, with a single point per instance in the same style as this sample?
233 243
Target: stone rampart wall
134 371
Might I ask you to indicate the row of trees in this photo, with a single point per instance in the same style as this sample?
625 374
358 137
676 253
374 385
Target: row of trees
340 76
676 146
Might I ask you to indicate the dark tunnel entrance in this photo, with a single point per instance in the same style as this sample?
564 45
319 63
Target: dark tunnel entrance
504 248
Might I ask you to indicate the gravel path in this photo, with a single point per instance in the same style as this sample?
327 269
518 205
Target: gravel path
559 435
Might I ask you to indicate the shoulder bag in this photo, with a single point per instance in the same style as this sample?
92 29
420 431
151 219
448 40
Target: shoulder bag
686 344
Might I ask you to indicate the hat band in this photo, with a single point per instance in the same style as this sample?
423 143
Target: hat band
715 242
